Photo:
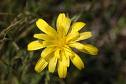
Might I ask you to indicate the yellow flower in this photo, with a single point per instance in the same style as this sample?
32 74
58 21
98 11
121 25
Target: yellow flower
57 45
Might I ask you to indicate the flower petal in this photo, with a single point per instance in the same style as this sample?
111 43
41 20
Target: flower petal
48 43
77 26
65 58
52 64
57 53
87 48
46 52
40 65
91 49
63 24
43 37
68 51
35 45
62 69
76 60
43 26
84 35
72 36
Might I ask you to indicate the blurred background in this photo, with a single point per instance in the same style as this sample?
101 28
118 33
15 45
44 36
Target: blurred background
105 18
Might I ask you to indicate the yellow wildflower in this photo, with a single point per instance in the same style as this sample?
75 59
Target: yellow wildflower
57 45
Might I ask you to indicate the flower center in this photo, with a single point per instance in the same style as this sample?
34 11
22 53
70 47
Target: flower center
61 42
